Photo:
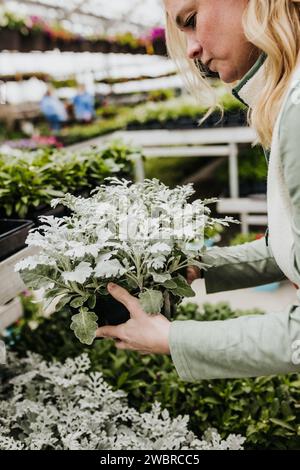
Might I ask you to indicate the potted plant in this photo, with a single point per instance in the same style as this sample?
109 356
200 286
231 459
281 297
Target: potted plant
140 235
10 27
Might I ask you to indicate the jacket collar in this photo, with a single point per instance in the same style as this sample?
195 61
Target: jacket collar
250 85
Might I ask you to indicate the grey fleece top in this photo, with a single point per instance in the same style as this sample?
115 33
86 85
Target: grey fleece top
252 345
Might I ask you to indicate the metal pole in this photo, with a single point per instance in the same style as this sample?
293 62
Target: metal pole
233 171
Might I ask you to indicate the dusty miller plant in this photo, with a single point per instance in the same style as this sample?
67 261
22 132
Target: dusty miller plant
63 406
139 235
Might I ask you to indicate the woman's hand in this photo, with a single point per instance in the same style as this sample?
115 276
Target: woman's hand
145 333
192 273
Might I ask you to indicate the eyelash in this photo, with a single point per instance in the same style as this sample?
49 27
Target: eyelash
191 22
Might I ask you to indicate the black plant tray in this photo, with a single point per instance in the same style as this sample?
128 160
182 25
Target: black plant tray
13 234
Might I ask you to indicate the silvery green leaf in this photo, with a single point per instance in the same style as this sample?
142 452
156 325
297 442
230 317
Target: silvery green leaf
151 301
183 289
160 248
92 301
81 273
84 325
197 263
170 284
161 277
28 263
78 302
158 262
195 245
109 268
38 278
63 302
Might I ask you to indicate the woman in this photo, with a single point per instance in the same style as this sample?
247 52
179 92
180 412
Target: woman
254 44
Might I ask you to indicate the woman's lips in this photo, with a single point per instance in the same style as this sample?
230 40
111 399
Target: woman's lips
211 66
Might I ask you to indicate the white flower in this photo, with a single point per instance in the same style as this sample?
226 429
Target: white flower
82 272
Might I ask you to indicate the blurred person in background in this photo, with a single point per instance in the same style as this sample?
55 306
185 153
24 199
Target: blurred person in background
53 110
84 105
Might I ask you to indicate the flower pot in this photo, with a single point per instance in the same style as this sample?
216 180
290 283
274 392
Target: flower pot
13 234
33 41
112 312
159 46
9 40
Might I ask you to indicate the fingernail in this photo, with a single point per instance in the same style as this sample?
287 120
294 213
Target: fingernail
111 285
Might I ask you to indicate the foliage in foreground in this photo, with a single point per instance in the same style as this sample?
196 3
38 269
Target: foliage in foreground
63 406
266 409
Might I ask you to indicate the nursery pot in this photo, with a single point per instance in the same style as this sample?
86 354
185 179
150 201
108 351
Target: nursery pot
9 39
112 312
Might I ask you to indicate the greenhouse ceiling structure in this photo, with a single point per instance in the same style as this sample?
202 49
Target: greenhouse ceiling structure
95 16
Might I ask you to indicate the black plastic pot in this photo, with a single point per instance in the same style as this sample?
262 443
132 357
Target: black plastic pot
33 41
112 312
9 39
13 234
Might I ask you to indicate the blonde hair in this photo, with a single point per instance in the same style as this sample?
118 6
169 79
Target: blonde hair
273 26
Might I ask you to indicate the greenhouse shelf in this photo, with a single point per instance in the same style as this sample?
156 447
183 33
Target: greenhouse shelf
11 285
13 234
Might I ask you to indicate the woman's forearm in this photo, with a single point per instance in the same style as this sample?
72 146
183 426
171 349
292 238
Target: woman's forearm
248 346
237 267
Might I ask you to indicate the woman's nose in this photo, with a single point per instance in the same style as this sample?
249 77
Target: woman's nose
194 50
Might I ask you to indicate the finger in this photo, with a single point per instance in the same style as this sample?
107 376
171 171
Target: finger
108 332
123 296
193 273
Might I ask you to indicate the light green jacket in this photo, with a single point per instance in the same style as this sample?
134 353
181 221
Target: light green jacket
255 345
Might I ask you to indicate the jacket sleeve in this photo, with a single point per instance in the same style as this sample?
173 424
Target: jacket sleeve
289 142
249 346
237 267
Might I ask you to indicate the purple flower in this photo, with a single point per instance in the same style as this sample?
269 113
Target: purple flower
157 33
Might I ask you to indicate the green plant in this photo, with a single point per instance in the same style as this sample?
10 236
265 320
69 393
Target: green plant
266 409
245 238
114 118
161 95
251 164
32 179
141 235
68 83
11 21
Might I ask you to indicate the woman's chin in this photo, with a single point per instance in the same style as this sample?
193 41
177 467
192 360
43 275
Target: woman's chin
227 75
